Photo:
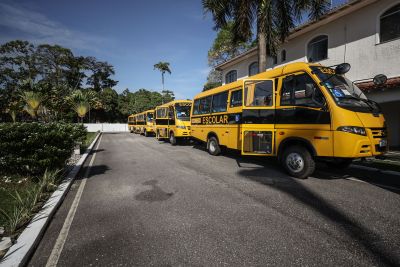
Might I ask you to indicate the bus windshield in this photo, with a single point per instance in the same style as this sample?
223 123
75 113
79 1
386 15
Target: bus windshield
183 111
149 117
345 93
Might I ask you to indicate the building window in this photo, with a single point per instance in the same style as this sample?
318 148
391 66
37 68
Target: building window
390 24
231 76
275 59
253 68
283 55
317 48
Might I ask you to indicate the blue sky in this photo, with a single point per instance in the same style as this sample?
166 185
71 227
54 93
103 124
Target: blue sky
130 35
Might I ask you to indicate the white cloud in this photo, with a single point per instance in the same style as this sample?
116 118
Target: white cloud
37 28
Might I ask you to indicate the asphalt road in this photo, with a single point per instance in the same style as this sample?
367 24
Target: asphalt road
147 203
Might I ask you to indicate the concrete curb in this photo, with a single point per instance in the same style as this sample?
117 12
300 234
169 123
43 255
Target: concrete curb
20 252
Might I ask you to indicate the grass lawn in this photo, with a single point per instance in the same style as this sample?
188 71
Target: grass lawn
9 185
89 139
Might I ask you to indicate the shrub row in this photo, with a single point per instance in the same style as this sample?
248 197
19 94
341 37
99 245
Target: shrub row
31 148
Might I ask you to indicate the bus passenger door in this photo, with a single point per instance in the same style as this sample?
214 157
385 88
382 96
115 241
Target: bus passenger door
258 117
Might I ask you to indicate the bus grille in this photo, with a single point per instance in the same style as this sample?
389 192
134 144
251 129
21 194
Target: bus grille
379 132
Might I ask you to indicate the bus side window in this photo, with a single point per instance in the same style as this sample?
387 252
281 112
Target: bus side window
196 107
236 98
219 102
258 93
205 105
300 90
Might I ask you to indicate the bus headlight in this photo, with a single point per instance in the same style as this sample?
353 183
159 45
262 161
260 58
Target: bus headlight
180 127
353 129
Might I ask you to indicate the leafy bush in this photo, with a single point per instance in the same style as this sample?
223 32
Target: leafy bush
31 148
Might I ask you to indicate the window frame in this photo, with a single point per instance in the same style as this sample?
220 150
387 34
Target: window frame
311 41
240 90
254 63
228 74
226 102
273 94
379 23
299 105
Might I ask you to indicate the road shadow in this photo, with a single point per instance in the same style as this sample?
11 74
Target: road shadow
376 178
93 171
355 230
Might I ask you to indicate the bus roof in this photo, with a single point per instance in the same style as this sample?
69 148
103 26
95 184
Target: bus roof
173 102
269 74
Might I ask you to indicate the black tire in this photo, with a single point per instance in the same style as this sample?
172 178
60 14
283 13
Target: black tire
339 163
298 162
172 139
213 146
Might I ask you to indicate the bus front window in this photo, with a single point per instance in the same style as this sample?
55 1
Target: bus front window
345 93
183 112
149 117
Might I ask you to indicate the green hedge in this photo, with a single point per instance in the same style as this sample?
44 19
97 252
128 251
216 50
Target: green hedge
31 148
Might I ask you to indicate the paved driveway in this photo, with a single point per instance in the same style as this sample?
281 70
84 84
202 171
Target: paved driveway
146 203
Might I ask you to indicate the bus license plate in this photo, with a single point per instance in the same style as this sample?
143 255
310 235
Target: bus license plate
383 143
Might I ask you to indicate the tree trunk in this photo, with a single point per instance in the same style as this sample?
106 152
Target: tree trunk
162 78
262 51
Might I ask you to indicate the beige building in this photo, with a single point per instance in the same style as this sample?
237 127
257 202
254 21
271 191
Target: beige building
364 33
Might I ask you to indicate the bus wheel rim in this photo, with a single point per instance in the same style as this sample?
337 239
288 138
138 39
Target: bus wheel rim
295 162
212 146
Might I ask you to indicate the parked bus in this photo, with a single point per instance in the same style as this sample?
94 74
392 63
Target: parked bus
173 120
299 113
131 123
148 128
140 122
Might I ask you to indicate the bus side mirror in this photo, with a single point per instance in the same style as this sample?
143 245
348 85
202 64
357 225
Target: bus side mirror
342 68
380 79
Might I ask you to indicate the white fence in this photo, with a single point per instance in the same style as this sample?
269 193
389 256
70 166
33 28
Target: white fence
107 127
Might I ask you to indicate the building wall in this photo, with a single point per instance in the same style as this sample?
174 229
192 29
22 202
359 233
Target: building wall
393 122
353 38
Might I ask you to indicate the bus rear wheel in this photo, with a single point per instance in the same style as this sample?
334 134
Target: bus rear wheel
172 139
298 162
213 146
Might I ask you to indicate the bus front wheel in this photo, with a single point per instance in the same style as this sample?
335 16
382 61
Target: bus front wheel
298 162
172 139
213 146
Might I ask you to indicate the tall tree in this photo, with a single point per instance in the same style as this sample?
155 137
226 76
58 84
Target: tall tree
163 67
223 48
272 20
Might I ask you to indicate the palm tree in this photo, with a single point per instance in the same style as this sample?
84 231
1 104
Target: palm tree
163 67
32 101
273 20
80 102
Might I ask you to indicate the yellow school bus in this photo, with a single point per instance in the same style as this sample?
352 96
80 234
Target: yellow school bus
173 121
144 122
148 128
299 113
131 123
140 122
